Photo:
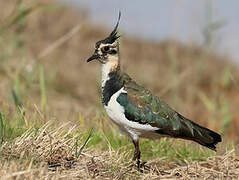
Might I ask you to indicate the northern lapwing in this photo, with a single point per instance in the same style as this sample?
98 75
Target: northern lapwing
135 110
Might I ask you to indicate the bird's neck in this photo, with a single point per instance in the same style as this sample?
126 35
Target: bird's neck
112 65
111 80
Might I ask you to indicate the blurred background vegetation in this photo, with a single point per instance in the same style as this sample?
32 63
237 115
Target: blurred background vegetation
44 76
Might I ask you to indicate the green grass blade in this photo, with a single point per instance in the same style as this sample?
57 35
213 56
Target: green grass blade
1 128
85 143
42 88
16 99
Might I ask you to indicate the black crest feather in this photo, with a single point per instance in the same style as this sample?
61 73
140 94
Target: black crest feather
113 35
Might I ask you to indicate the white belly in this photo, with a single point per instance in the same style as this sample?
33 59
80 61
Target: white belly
133 129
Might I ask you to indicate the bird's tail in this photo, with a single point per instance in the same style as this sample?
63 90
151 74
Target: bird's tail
201 135
206 137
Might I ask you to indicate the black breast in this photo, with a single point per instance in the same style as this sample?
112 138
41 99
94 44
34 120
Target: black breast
112 85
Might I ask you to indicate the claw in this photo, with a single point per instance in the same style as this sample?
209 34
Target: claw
144 167
141 167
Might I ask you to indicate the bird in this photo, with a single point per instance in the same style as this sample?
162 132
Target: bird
136 111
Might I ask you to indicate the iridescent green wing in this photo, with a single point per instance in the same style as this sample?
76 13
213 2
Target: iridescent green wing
145 108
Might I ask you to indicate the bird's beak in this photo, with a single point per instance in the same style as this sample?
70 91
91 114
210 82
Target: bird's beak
94 56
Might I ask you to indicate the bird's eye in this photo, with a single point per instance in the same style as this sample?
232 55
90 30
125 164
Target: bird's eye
105 48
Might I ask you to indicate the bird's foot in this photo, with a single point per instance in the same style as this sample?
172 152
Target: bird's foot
142 167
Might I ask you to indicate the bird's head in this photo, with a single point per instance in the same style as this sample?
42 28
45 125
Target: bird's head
108 48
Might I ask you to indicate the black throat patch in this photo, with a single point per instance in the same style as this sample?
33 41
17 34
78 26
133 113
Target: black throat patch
112 85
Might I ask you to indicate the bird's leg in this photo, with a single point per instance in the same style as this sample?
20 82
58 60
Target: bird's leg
136 153
137 157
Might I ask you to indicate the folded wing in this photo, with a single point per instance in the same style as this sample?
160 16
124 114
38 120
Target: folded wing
145 108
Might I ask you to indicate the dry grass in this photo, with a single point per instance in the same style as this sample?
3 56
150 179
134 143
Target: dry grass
48 153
